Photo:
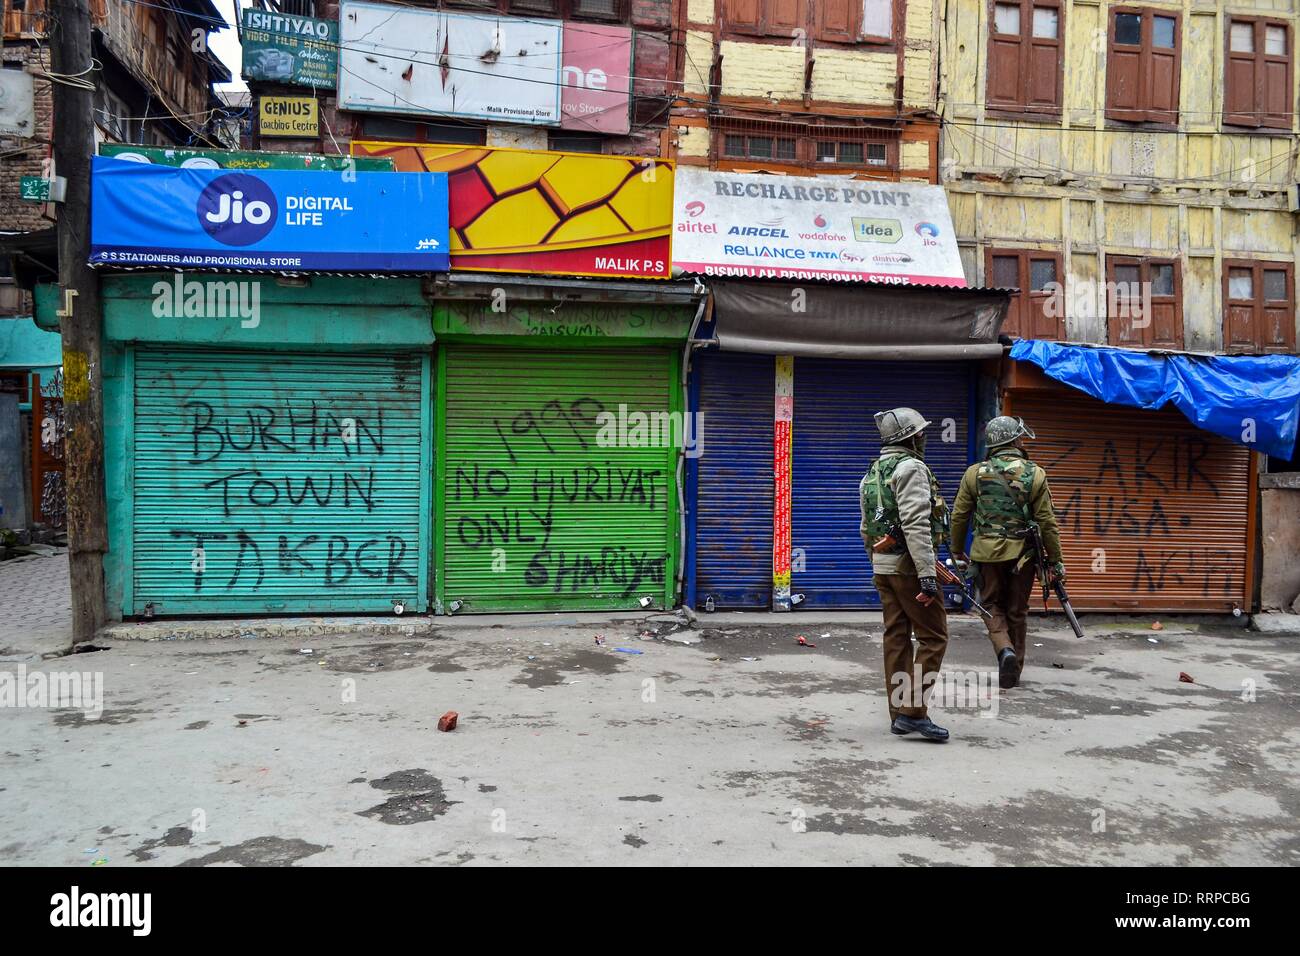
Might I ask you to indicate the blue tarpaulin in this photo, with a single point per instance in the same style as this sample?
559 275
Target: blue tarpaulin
1230 395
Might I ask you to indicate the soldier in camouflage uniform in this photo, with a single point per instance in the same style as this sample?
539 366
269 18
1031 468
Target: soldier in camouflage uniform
1006 492
903 522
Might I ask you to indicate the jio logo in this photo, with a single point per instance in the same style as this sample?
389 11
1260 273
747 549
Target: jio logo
237 209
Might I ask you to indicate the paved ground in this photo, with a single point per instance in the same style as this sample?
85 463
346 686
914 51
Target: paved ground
743 748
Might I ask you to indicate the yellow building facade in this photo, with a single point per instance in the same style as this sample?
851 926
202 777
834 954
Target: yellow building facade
1095 143
809 86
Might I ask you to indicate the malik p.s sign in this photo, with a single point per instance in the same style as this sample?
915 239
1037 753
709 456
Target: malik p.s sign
267 219
793 227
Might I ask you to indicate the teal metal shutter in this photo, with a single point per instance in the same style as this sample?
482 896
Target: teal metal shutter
279 482
542 508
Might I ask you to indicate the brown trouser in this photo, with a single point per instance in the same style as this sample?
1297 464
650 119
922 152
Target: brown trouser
1006 593
905 616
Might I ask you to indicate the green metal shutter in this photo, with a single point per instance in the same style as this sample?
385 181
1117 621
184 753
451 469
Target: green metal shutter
538 510
299 476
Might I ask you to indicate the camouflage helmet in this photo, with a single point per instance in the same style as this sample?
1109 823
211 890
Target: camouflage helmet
899 424
1004 430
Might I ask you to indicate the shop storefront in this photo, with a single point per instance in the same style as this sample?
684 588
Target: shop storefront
1155 513
561 440
281 469
786 410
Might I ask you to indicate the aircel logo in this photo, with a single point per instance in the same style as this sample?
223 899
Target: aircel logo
237 209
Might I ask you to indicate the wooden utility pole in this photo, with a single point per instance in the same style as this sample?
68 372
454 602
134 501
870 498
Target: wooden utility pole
79 315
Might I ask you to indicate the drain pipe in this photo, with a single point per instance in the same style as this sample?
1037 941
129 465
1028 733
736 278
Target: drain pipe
702 314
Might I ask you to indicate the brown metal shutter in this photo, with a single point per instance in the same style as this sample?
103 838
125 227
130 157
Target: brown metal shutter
1170 505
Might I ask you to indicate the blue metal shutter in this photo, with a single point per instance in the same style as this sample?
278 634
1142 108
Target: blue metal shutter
733 536
300 476
835 440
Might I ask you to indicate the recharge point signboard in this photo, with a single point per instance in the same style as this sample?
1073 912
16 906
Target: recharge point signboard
748 225
146 215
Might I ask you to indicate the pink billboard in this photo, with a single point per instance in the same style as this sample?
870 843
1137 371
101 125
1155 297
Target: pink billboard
596 76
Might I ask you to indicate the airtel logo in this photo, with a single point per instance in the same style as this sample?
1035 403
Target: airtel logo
593 79
694 209
237 209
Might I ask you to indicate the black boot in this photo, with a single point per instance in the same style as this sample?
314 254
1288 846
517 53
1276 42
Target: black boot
926 727
1008 668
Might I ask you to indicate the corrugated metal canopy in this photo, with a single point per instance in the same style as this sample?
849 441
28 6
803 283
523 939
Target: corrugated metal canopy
833 320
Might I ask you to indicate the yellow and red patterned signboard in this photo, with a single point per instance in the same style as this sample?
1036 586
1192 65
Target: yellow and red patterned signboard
516 210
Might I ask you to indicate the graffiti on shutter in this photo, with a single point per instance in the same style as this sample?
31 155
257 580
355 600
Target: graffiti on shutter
277 482
1153 512
544 507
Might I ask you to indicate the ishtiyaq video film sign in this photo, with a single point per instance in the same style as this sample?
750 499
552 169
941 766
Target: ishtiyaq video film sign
748 225
280 220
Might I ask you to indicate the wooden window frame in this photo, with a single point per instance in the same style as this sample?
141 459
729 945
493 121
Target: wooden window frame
420 129
1114 322
812 15
749 157
1258 118
1021 108
1026 295
1145 113
807 136
1258 304
896 25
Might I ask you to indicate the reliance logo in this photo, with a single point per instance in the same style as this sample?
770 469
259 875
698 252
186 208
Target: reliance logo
237 209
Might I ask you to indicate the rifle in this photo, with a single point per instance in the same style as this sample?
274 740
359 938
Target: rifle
948 576
1050 583
895 538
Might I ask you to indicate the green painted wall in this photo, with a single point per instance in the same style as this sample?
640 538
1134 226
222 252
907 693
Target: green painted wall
564 325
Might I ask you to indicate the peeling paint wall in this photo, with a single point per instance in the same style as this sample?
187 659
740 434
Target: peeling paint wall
1089 187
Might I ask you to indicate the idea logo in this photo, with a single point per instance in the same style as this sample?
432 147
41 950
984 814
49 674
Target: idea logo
237 209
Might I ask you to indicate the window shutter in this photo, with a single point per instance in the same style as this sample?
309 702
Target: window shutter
1044 69
1275 327
743 15
1275 79
1163 69
836 20
1240 83
1045 312
1005 86
785 16
1124 87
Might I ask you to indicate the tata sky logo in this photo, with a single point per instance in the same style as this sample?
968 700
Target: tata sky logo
237 209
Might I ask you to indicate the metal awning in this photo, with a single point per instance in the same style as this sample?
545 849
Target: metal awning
863 321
